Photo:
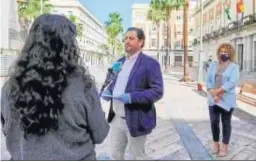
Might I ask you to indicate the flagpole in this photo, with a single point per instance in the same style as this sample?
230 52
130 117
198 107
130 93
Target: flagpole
224 19
222 13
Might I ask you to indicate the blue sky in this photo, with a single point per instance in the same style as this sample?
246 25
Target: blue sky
102 8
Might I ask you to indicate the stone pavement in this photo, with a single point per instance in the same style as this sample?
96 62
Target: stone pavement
183 130
183 127
193 108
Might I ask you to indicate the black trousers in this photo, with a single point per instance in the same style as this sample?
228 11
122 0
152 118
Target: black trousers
216 113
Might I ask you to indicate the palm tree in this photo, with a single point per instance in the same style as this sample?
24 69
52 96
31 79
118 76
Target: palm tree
113 28
169 6
79 26
29 10
119 48
156 15
186 77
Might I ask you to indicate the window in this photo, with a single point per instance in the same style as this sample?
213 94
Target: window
153 42
190 44
140 16
165 42
218 23
178 17
165 28
153 28
178 44
212 28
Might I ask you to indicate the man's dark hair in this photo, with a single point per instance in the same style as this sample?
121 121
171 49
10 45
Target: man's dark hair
140 34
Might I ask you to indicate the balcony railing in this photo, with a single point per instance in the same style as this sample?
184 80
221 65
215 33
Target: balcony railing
231 27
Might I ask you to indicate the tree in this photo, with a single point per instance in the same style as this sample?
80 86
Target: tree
186 77
105 48
156 15
168 6
119 48
113 28
29 10
79 26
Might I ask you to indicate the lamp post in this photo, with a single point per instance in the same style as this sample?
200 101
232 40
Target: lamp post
200 68
41 7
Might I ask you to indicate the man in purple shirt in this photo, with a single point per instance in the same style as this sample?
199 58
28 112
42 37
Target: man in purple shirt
138 85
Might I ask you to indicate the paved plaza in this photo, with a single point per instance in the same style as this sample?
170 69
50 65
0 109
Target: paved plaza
183 127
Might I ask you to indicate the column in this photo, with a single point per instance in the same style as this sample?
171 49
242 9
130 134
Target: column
250 52
14 26
246 53
254 53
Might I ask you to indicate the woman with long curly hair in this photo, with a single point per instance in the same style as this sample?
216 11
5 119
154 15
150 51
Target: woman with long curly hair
222 78
50 109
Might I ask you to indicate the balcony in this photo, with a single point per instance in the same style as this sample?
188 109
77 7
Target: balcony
206 37
214 34
222 31
233 25
250 19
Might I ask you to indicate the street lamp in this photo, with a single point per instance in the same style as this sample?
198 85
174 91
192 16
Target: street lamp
200 68
41 6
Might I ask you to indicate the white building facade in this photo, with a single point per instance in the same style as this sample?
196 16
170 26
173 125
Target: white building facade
240 31
93 33
176 52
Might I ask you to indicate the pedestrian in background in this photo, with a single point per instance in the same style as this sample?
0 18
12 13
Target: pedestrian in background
138 85
50 109
222 79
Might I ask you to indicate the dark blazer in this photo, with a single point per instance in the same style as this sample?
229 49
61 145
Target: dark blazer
145 86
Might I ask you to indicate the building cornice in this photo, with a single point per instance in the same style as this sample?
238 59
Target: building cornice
77 4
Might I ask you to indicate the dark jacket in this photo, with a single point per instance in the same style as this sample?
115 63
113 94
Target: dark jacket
82 124
145 86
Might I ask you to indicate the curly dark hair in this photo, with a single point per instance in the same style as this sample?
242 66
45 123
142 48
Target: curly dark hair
49 56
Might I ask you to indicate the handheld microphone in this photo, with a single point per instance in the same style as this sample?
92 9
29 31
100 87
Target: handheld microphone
111 75
108 80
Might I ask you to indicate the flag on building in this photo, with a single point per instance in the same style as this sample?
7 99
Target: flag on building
227 7
240 6
218 9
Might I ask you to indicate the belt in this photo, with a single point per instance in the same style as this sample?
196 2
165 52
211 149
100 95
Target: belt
122 117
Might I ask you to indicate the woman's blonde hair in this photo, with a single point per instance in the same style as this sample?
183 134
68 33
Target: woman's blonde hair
229 48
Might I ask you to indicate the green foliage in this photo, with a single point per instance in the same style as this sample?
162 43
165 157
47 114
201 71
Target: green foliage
29 10
167 5
79 26
114 28
156 15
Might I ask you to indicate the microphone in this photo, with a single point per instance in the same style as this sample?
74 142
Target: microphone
111 75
